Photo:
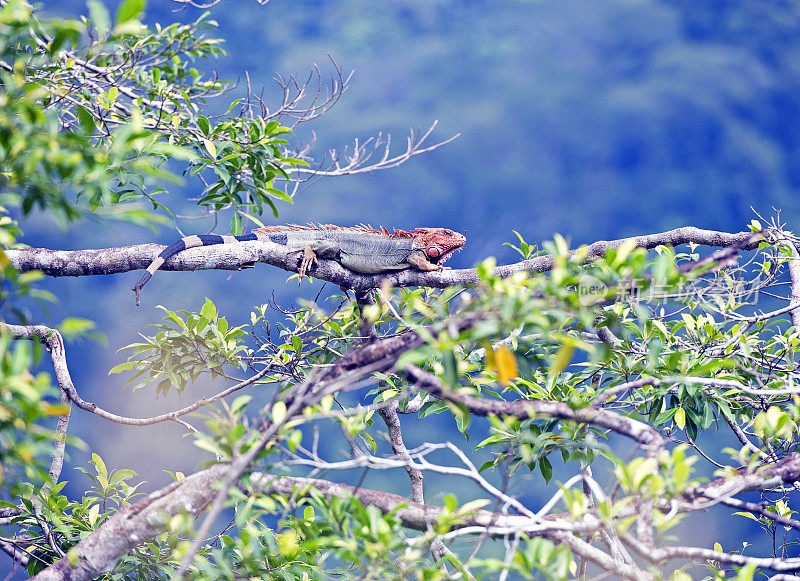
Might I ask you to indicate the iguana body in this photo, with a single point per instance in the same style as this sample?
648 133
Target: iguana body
359 248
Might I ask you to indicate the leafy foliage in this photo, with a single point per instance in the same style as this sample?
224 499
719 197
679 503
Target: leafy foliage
171 356
26 402
72 520
104 110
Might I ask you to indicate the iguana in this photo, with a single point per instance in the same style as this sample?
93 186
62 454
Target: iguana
359 248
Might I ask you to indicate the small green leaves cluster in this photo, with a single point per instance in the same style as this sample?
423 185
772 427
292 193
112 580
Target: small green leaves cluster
528 443
243 157
662 477
187 345
48 144
228 430
109 488
71 521
26 402
553 561
524 249
17 285
106 109
320 538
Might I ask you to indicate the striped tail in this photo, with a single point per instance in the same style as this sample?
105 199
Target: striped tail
181 245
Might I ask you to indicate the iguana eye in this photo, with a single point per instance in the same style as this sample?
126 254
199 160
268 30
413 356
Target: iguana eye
433 252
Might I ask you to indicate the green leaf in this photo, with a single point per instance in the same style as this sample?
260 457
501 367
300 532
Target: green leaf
209 311
281 194
210 147
130 10
99 17
450 368
86 119
546 468
99 465
485 465
240 403
127 366
747 515
236 225
431 407
680 418
463 419
204 125
493 439
73 326
121 475
278 412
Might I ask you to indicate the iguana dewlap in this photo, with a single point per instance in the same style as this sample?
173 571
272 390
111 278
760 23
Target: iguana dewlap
359 248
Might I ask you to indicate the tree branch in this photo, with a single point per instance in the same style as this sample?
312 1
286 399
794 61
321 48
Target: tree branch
245 254
55 345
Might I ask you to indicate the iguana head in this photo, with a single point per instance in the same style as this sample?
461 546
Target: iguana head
438 243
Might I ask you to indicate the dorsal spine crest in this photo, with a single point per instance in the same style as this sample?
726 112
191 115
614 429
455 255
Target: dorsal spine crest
366 228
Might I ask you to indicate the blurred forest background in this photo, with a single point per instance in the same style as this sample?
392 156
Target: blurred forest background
595 120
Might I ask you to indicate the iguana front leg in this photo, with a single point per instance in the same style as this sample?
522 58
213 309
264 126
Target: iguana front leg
418 260
325 248
309 258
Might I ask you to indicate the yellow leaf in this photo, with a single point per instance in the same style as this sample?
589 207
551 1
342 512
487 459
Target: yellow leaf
55 409
562 359
503 362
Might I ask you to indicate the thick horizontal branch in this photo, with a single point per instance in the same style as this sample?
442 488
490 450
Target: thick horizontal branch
421 516
415 515
664 554
782 473
234 256
675 237
245 254
530 409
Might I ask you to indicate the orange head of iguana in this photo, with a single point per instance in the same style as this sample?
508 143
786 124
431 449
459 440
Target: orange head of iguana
438 244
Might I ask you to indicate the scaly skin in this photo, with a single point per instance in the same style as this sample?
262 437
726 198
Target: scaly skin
358 248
